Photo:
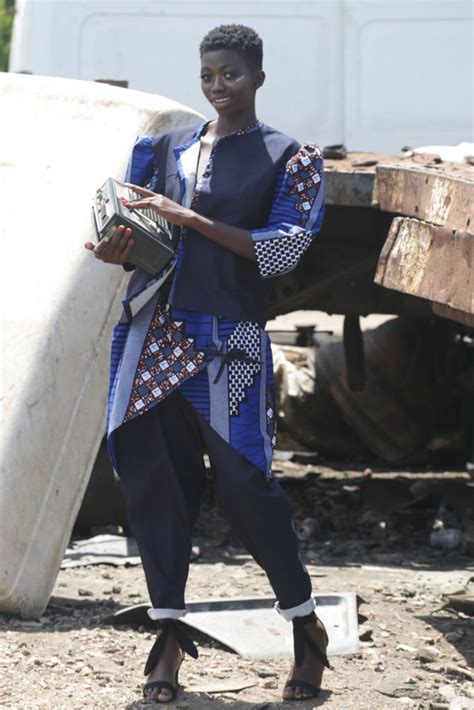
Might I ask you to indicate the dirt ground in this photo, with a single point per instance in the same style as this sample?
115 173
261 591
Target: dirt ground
372 538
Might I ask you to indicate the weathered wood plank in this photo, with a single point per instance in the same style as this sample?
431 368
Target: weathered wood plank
440 309
441 198
428 261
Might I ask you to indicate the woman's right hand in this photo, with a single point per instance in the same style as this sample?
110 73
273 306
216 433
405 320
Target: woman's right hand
115 249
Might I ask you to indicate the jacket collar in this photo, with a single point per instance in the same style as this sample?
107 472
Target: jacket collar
179 149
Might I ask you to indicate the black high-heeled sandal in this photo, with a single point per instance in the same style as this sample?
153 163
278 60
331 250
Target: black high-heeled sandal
167 626
300 639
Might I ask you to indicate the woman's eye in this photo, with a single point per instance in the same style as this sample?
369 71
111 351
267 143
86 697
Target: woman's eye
205 77
230 76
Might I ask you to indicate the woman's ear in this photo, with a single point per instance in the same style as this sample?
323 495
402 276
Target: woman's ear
259 78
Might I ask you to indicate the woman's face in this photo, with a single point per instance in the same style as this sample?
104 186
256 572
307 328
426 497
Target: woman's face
228 83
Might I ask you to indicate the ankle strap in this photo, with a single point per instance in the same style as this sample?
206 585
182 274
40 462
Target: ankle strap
301 638
169 626
306 619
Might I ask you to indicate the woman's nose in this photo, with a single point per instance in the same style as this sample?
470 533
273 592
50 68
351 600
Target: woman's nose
217 84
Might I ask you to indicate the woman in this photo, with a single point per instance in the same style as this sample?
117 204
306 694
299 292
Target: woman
191 363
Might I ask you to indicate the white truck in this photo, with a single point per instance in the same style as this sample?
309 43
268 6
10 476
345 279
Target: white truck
373 74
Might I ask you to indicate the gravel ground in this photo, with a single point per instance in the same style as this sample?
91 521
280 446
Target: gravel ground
371 540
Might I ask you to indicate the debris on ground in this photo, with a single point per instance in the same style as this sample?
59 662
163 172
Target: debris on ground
403 411
106 549
416 649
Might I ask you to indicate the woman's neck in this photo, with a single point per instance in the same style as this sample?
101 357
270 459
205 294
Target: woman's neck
229 124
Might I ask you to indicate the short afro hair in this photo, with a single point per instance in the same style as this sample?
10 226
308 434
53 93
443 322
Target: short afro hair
240 38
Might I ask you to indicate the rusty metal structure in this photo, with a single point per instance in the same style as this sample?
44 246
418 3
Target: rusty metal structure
398 239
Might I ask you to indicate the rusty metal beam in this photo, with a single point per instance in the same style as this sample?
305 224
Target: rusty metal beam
426 193
428 261
349 188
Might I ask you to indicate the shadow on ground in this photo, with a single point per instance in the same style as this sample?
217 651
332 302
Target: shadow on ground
198 702
456 630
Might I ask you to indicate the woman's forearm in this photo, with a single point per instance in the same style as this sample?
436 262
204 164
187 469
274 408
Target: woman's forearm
232 238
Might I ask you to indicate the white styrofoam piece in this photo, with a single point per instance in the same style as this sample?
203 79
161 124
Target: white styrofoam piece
60 139
253 629
452 153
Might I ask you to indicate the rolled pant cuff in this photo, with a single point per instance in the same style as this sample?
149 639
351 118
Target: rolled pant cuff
301 610
157 614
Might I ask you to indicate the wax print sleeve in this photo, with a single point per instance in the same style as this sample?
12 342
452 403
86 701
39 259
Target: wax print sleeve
141 170
296 215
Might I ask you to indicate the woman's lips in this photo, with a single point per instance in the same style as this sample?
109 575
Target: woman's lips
221 101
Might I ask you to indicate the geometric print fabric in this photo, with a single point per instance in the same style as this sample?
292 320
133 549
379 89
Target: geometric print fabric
279 254
246 338
167 358
304 176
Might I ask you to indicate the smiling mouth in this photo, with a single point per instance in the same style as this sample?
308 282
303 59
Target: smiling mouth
221 102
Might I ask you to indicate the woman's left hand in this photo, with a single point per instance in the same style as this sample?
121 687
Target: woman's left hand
168 209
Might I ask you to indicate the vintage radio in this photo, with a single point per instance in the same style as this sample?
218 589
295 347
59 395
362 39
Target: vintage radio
152 248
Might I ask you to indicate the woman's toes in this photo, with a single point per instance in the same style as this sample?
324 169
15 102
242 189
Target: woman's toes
162 695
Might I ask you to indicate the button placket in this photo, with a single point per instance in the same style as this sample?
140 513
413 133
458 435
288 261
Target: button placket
205 176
